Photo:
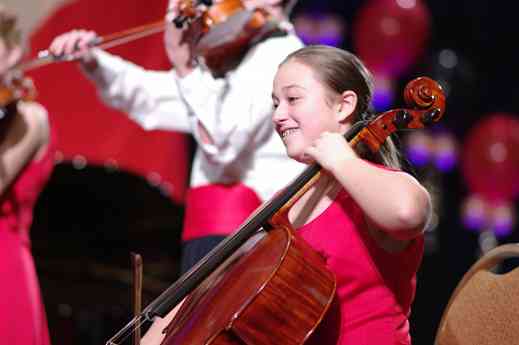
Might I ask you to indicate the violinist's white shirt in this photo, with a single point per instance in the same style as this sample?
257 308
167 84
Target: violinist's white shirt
235 110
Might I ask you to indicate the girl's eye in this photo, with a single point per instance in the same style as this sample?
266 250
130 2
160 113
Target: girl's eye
292 99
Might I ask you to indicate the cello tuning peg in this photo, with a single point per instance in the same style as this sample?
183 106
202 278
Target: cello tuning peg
402 119
430 116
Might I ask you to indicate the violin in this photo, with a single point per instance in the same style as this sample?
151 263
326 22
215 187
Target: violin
225 29
15 87
221 30
264 276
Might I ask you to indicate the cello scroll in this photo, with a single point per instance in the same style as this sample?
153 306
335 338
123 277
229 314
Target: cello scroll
426 102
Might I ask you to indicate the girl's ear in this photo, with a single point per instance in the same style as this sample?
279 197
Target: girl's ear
346 106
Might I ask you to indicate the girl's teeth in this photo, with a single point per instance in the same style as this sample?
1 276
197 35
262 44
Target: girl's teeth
287 132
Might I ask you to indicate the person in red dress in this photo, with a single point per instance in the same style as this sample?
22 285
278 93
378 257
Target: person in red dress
26 162
365 217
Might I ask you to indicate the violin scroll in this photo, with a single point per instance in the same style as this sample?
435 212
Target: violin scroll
188 11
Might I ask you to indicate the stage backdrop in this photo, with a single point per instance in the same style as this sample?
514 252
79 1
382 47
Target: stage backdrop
87 130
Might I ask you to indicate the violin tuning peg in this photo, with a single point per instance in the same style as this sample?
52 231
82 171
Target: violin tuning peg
179 21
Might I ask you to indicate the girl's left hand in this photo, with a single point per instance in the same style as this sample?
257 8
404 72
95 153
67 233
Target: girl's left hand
330 150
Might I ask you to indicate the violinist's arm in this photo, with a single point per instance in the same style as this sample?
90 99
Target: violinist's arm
148 97
155 335
24 140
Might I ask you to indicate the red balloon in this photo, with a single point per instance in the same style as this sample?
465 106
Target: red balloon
389 35
490 157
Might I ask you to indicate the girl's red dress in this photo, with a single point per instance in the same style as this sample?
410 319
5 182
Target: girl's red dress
374 288
22 314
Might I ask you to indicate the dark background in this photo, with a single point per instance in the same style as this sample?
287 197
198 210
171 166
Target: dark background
88 221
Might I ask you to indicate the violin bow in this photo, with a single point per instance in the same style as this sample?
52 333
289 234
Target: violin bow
45 57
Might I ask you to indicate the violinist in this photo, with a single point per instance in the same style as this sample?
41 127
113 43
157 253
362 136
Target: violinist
26 162
366 217
226 107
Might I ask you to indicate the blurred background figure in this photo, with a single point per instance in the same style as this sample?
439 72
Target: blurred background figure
221 98
26 163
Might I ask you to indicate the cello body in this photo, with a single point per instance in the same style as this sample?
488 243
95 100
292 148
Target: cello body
274 290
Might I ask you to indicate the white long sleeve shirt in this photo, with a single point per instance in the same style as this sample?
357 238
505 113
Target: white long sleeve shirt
236 112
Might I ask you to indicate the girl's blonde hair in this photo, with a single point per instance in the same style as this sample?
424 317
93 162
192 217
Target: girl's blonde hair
9 30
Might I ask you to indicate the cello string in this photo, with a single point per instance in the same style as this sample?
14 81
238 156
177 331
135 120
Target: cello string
127 331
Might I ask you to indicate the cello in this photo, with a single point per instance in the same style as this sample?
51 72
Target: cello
264 277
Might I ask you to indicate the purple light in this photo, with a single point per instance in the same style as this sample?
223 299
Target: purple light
309 39
474 213
418 148
445 151
418 155
481 215
503 227
382 99
320 28
445 161
474 221
503 219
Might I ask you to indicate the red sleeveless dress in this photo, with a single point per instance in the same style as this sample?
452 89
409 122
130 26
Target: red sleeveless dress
374 288
22 314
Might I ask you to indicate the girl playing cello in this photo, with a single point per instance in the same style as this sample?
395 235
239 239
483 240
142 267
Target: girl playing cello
366 218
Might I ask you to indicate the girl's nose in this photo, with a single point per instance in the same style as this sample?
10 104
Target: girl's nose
279 115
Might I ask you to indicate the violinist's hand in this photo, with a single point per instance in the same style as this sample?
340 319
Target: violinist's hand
253 4
330 150
75 44
179 43
273 7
